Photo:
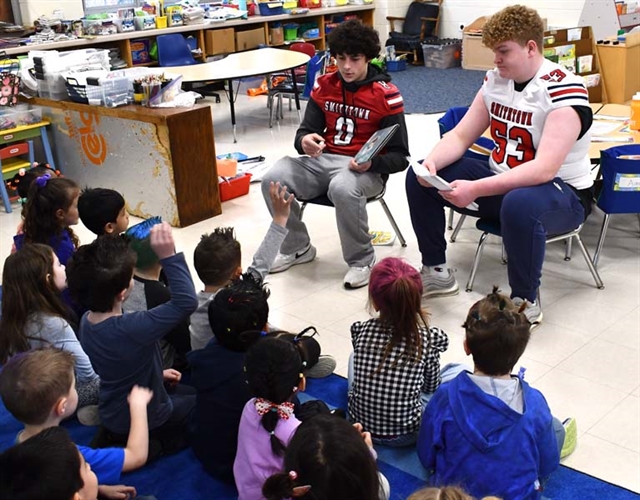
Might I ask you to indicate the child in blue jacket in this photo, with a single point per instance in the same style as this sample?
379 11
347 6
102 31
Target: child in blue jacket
489 431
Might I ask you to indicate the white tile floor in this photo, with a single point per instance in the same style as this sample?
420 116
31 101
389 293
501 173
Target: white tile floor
584 358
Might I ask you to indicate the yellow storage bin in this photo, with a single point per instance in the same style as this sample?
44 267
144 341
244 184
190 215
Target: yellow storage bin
290 5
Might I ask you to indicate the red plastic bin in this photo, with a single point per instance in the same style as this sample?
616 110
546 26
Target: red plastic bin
234 187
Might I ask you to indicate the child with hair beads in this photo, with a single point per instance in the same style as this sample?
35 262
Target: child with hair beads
34 315
327 459
51 208
38 388
444 493
490 420
396 356
217 373
21 182
274 373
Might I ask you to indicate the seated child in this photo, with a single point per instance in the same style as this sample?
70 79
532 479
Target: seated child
25 176
396 356
34 315
274 373
150 291
123 348
103 211
217 373
328 458
490 420
38 388
217 260
50 211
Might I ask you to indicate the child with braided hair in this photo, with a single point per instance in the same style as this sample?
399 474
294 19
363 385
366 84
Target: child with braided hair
274 372
491 420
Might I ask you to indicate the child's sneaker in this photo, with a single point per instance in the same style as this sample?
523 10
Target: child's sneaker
323 368
533 311
283 262
436 285
570 437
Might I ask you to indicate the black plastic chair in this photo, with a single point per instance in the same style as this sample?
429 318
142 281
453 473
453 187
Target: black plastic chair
419 25
325 201
173 50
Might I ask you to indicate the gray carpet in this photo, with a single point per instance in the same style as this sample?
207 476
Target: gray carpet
429 90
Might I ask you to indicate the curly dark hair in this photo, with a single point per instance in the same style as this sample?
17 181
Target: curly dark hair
354 38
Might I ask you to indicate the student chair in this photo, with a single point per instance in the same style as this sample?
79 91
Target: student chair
305 76
493 227
419 24
325 201
174 50
480 150
620 169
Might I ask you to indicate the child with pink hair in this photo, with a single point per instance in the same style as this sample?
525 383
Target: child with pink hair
395 364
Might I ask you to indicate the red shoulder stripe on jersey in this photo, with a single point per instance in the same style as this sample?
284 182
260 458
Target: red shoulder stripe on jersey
579 90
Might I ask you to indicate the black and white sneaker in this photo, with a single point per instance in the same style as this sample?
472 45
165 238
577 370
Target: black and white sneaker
283 262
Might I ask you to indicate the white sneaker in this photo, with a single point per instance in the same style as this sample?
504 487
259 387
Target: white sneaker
283 262
533 312
436 285
357 277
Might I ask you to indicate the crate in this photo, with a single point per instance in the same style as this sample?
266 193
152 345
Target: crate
399 65
22 114
100 91
232 188
443 55
271 8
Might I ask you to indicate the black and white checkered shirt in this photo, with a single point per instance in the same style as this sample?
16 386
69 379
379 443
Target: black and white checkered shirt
387 402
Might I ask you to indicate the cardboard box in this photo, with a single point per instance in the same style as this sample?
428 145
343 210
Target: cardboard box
474 54
220 41
249 39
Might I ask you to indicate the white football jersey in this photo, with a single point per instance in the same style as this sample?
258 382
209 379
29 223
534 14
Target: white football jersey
518 118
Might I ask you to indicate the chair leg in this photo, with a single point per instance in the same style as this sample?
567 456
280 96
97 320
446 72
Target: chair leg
403 242
567 249
450 220
603 232
270 106
587 258
454 235
476 261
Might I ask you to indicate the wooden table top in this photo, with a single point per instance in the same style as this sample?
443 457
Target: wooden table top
242 64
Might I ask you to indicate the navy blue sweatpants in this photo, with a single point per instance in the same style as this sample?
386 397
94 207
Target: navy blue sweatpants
526 215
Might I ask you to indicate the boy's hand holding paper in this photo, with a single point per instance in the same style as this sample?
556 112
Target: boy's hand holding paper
423 173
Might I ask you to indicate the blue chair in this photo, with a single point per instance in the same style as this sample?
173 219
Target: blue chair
620 194
174 50
446 123
493 227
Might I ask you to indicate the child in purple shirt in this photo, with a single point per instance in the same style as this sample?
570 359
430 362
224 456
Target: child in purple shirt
274 373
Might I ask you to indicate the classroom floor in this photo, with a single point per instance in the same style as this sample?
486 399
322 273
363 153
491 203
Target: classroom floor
584 358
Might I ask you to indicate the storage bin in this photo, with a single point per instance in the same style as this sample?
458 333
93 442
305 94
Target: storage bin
234 187
271 8
443 55
311 33
399 65
287 6
145 23
291 31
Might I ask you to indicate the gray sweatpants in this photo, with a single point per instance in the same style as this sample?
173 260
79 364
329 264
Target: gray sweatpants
348 190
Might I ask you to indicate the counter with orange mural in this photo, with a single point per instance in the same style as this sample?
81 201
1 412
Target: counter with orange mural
161 160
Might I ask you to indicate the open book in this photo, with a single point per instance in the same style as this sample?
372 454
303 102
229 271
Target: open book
435 180
375 143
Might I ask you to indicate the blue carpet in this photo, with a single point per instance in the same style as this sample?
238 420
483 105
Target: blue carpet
181 476
431 90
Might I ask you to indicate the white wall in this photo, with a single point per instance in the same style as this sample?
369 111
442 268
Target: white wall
454 12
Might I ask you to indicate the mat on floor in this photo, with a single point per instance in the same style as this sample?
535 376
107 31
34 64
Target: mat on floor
180 476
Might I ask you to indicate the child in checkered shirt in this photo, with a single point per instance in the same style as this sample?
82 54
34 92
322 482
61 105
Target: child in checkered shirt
396 357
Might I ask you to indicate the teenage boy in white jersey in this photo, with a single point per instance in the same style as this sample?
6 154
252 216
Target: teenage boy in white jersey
537 181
